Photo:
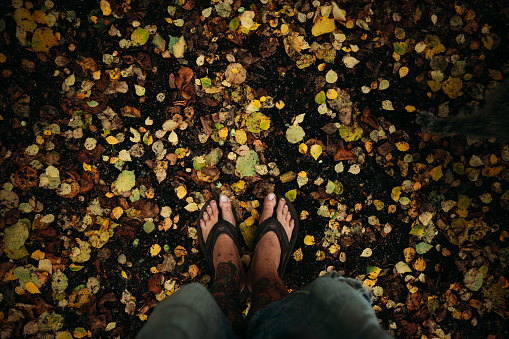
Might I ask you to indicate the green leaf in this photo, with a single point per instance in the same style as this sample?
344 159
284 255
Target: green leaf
139 37
234 24
255 120
16 235
422 247
206 82
148 226
159 42
246 164
320 98
350 133
291 195
400 47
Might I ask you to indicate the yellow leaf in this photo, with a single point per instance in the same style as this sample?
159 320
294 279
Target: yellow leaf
402 146
409 254
87 167
309 240
39 16
420 264
436 173
155 249
350 24
180 251
112 140
320 255
280 104
38 255
303 148
114 74
223 132
332 94
24 20
321 67
238 186
241 136
373 272
291 195
30 286
80 332
123 274
181 192
435 86
180 152
105 7
256 103
452 87
315 151
193 271
117 212
410 108
284 29
298 255
403 71
323 25
43 39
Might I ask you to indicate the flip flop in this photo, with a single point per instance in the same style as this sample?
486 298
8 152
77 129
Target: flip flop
272 224
221 227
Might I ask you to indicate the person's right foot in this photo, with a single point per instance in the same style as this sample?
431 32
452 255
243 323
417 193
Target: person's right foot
267 253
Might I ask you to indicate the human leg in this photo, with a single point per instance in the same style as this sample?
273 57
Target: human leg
229 275
263 278
331 306
189 313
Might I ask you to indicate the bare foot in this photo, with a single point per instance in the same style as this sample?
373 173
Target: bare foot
225 249
267 254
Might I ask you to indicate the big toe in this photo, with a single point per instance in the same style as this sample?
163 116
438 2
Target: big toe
268 206
225 204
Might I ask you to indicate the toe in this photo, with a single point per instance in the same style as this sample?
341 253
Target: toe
225 204
206 216
280 206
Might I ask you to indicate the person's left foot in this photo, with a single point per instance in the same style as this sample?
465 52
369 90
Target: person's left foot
225 249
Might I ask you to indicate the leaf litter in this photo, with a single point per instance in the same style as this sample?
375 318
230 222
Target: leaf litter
101 186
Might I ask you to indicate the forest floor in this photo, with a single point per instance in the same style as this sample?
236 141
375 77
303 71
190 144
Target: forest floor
119 119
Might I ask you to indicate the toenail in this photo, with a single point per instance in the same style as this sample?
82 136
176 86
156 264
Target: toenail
271 196
224 198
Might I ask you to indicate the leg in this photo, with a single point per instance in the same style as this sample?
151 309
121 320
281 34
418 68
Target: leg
190 312
262 278
229 277
331 306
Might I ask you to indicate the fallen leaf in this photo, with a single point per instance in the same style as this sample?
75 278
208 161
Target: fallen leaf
309 240
323 25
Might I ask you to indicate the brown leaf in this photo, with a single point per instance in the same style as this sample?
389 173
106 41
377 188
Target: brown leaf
344 154
154 283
